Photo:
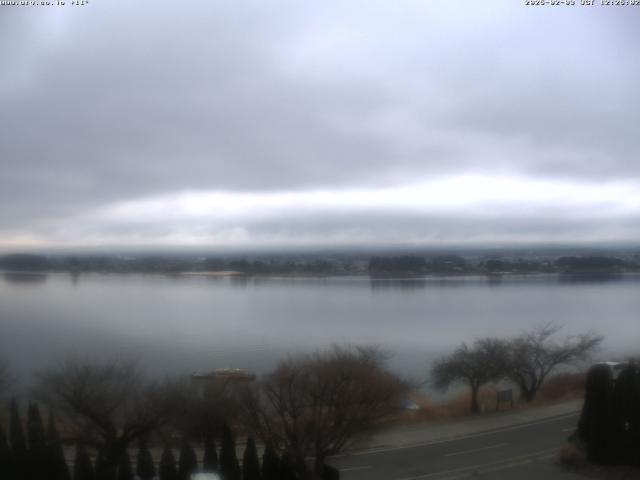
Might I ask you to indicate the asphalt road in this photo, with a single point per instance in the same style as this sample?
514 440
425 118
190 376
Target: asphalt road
518 452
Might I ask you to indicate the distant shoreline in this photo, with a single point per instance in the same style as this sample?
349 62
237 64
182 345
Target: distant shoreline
212 273
390 277
495 265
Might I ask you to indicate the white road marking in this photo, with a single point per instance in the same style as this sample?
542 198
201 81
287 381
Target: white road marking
507 466
570 429
481 449
548 457
501 467
507 461
352 469
456 439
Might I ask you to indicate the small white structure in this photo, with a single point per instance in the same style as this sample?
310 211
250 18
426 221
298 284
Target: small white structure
614 367
206 476
410 405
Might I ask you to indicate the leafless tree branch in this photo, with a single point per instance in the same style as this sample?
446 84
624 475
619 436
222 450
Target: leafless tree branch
320 404
535 354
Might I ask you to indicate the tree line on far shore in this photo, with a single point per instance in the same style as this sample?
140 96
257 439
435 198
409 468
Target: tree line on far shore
456 264
330 264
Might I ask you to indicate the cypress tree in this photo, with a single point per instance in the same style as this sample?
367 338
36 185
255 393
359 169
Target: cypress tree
16 433
287 470
619 438
626 437
5 457
210 458
594 426
270 463
101 467
188 462
250 462
82 468
35 430
38 455
167 468
4 444
635 413
125 470
229 467
145 467
57 461
18 443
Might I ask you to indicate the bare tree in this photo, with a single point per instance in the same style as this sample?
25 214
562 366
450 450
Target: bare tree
534 355
484 362
110 403
320 404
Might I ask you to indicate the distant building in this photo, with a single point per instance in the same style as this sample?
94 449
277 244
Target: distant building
218 380
237 374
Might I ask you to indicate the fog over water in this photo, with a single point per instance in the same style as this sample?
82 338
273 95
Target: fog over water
183 324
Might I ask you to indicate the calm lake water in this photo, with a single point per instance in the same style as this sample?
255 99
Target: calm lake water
190 323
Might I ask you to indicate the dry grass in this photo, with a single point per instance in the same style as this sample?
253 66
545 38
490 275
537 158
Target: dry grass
559 388
570 455
459 406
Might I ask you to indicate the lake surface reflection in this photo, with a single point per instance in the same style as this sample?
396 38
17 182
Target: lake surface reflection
185 323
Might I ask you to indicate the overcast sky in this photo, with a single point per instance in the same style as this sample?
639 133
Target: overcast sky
262 123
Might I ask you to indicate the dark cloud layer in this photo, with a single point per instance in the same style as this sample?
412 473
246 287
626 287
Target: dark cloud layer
118 101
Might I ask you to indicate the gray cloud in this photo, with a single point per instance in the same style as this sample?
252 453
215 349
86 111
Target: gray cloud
122 100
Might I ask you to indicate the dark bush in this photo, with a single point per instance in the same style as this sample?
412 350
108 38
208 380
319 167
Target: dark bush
610 420
250 462
57 461
229 466
103 470
287 467
167 468
5 457
37 454
82 468
270 463
145 467
210 457
19 453
125 470
188 462
625 438
595 421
